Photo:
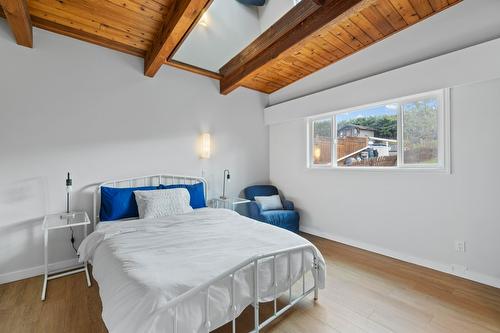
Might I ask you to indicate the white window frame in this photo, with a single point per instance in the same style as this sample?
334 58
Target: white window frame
443 165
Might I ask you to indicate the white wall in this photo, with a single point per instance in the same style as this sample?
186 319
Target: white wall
413 216
231 26
273 11
68 105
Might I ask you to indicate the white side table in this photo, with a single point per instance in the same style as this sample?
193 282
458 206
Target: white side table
61 221
228 203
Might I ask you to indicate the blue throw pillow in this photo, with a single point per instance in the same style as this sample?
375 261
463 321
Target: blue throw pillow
119 203
196 193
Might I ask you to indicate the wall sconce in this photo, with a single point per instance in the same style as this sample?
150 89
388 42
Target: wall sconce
205 148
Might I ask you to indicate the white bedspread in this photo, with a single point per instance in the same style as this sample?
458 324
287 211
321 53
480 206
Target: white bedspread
141 265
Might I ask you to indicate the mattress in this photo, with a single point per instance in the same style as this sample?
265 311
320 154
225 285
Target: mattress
141 265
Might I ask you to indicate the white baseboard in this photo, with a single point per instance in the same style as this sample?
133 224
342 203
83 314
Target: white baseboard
37 270
445 268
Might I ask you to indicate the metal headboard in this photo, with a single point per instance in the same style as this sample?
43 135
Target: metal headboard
153 180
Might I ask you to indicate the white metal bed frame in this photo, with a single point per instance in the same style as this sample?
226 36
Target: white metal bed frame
172 306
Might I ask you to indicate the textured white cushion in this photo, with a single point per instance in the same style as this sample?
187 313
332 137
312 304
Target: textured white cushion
272 202
158 203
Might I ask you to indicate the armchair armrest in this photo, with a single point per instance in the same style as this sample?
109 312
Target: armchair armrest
254 211
288 205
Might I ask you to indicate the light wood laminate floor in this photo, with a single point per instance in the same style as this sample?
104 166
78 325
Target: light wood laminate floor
365 292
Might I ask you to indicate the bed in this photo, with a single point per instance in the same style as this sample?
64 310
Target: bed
197 271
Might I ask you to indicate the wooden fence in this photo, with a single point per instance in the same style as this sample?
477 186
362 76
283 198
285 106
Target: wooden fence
322 150
349 144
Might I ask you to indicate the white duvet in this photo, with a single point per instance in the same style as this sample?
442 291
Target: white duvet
141 265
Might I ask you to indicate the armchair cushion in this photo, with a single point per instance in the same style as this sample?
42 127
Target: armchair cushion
272 202
287 219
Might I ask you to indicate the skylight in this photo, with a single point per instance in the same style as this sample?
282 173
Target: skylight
225 29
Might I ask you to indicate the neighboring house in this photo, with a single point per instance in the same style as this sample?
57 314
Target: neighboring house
356 143
355 130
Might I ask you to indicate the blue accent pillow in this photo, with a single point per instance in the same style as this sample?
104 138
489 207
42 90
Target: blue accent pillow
196 192
119 203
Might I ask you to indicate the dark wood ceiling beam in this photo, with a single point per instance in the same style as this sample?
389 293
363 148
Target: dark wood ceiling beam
177 24
17 14
283 26
193 69
329 12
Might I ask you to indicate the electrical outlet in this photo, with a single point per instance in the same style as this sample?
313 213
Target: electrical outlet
460 246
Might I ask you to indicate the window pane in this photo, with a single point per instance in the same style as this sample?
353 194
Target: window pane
420 132
322 141
368 137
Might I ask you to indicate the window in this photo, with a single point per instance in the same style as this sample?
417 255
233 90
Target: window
404 133
322 141
420 132
367 135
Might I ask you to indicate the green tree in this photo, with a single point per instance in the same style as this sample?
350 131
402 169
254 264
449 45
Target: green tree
323 128
420 120
385 126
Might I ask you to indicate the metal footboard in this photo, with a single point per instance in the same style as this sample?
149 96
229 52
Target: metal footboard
173 305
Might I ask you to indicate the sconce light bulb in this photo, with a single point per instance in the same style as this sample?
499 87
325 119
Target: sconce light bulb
205 146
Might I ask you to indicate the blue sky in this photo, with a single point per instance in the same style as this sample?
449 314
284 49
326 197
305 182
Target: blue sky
383 110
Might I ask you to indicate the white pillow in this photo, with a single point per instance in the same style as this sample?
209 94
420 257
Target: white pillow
272 202
158 203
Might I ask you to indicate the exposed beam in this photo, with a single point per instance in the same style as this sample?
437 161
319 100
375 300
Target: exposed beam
17 14
331 11
193 69
280 28
178 23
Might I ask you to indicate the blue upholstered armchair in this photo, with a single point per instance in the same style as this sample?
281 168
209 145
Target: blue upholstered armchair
286 218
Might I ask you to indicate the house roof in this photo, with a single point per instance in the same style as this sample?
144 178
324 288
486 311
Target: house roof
358 127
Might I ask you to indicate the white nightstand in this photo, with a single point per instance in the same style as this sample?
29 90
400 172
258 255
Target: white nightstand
60 221
228 203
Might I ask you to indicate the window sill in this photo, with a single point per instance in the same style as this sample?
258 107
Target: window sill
437 170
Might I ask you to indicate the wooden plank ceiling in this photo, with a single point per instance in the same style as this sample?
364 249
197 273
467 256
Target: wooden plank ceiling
355 28
313 35
125 25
